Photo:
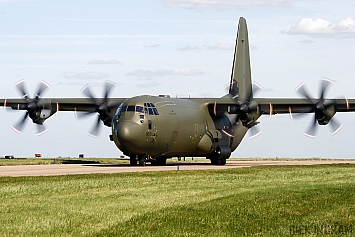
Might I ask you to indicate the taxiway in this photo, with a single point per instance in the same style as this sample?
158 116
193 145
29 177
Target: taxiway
71 169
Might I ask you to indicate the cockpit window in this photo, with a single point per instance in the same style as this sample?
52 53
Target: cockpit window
139 109
155 111
149 108
120 110
131 108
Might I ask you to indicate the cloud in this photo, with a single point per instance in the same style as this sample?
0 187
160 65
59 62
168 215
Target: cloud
323 29
207 47
150 84
307 41
223 4
85 75
190 48
103 62
165 72
72 83
152 46
212 47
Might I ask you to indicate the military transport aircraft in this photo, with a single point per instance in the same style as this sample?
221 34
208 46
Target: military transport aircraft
154 128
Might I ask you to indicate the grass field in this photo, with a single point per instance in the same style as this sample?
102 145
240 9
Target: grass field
256 201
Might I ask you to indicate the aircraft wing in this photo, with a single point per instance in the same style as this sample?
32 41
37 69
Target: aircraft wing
61 104
249 111
294 105
266 105
279 105
39 109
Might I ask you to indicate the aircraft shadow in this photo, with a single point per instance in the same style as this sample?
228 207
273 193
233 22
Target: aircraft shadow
66 162
148 164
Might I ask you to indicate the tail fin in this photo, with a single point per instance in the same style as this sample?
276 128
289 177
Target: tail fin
240 84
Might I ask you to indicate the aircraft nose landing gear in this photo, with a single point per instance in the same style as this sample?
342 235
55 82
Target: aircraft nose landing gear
141 159
220 156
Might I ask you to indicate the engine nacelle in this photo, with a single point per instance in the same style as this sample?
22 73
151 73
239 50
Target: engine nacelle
324 113
43 111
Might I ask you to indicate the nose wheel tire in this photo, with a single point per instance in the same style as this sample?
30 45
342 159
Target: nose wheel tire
142 160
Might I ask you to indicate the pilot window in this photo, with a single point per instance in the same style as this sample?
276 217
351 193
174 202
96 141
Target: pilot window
139 109
131 108
121 109
149 108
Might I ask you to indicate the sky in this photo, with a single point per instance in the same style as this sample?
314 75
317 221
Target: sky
183 48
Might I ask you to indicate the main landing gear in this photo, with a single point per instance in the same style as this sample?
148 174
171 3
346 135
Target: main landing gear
216 161
159 161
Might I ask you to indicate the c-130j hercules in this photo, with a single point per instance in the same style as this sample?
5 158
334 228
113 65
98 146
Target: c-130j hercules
154 128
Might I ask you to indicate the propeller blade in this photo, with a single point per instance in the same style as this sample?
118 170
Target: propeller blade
95 130
302 91
311 132
41 129
108 87
336 126
41 88
18 127
21 88
87 92
256 87
325 82
254 132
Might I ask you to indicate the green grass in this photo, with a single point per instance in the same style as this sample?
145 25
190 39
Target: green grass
256 201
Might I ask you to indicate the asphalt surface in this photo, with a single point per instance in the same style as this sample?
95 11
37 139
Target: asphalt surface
69 169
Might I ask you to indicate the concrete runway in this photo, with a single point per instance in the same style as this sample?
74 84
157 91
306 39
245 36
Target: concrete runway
67 169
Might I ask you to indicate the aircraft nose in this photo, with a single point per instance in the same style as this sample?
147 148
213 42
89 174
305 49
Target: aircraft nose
128 132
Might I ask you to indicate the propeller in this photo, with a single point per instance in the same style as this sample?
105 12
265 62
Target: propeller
323 109
245 107
103 108
32 105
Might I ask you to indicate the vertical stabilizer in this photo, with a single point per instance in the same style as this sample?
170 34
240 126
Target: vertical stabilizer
240 84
